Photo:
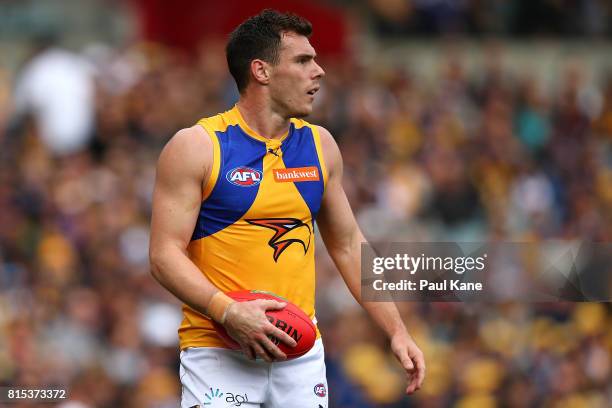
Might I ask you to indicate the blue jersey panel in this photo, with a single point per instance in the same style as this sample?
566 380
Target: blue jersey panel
299 150
240 173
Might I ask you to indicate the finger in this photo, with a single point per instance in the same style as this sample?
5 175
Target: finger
280 335
248 351
406 361
408 364
411 389
416 377
412 384
269 304
272 349
420 365
261 352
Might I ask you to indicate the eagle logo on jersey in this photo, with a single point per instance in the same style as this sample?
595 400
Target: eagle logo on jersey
286 232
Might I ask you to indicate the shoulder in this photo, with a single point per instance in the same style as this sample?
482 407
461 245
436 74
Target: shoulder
331 152
190 141
329 146
327 140
189 151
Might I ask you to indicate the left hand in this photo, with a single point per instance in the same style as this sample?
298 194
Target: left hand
411 358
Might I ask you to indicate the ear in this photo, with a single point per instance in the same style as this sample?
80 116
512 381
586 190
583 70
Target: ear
260 71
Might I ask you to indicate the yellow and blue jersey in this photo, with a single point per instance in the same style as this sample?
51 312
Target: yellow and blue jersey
255 229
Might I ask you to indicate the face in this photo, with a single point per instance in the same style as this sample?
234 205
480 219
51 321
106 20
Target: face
295 79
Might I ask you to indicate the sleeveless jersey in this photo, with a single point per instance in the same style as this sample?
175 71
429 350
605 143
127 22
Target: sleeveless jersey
255 229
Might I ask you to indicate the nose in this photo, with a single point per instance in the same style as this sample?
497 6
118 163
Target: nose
320 73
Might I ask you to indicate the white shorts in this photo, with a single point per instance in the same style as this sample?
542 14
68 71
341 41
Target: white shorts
222 378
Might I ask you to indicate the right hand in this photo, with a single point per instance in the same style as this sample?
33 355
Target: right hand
246 322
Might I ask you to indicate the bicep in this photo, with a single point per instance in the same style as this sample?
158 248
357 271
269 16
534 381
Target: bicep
336 221
177 196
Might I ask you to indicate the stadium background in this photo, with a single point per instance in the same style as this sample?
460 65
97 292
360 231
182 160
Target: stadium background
458 120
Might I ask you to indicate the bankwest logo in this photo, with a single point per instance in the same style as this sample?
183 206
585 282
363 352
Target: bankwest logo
244 176
296 174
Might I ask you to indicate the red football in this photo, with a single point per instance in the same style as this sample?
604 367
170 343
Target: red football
291 319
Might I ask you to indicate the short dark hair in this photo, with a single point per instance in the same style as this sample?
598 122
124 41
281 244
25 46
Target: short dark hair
259 37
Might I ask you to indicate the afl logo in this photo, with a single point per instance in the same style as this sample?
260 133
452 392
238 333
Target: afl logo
320 390
244 177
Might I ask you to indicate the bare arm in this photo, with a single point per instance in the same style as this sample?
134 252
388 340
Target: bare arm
343 240
183 168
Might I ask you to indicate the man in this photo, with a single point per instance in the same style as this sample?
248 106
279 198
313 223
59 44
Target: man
235 200
57 87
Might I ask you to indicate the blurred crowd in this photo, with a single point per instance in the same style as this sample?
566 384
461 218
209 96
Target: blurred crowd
560 18
483 155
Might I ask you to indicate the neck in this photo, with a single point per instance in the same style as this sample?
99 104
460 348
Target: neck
262 119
